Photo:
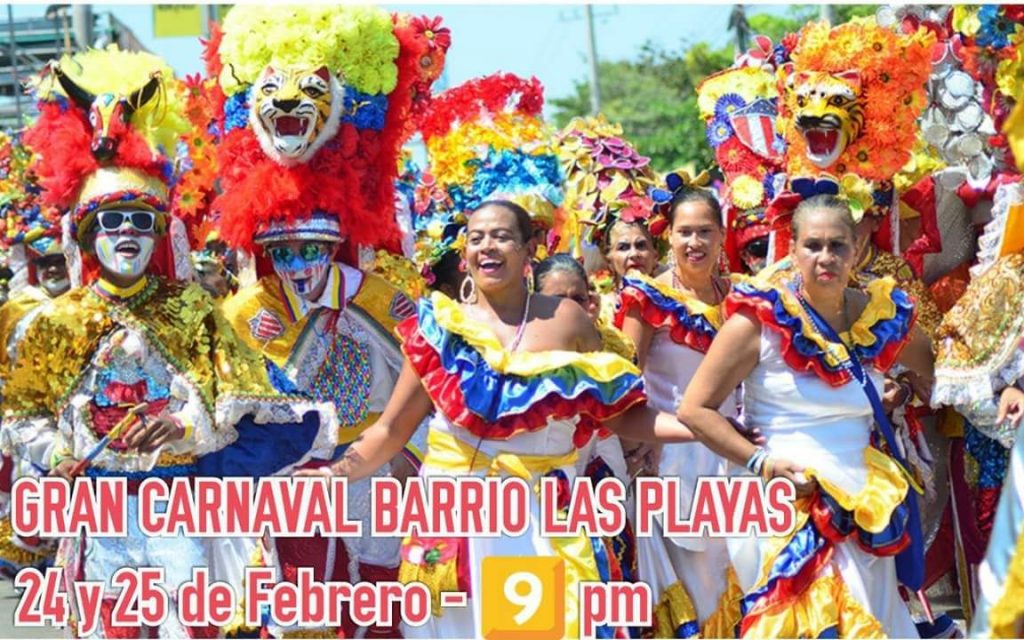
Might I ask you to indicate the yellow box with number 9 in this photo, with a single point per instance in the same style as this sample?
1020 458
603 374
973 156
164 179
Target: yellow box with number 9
523 597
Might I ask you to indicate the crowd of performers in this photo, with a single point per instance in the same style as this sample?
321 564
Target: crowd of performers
246 273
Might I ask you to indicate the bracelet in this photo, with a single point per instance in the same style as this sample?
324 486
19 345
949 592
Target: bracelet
767 469
756 461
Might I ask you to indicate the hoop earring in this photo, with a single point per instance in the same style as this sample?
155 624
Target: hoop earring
467 295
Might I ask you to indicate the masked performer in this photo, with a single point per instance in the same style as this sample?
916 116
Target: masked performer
312 129
33 237
135 349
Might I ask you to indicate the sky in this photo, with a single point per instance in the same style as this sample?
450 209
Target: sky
546 41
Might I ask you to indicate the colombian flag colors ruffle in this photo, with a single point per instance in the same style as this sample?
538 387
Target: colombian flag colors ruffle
797 595
496 394
877 336
690 322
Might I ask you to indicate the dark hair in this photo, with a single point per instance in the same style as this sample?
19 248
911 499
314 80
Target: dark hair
694 195
524 224
446 271
818 202
606 236
557 262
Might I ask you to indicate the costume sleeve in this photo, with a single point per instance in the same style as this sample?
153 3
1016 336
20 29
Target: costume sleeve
33 389
258 431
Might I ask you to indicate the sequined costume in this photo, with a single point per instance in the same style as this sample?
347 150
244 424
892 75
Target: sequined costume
834 575
16 553
482 429
162 343
978 355
683 327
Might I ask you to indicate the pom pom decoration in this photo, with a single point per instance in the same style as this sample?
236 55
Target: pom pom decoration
23 219
374 71
485 140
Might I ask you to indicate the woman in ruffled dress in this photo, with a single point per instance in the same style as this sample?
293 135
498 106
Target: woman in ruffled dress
672 319
515 382
811 354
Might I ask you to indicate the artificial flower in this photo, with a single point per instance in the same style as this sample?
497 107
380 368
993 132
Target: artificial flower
746 192
996 29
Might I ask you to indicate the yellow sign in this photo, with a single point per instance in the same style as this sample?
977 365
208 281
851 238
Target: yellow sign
177 20
524 598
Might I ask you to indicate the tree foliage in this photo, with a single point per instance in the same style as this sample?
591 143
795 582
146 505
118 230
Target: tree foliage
654 98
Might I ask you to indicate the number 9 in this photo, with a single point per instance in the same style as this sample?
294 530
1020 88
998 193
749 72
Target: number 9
529 602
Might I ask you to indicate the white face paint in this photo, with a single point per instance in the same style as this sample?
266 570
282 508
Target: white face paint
56 287
125 252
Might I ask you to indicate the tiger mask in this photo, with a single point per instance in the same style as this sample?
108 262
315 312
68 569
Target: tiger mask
295 111
828 112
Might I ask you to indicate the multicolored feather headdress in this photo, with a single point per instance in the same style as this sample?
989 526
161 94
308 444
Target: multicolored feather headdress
319 100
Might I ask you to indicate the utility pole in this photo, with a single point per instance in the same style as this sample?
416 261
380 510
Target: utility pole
595 83
827 14
81 22
14 63
738 23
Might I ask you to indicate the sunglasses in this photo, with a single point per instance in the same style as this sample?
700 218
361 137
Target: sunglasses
309 252
114 219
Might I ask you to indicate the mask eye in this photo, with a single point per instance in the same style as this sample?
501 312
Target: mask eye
758 248
311 251
313 92
281 254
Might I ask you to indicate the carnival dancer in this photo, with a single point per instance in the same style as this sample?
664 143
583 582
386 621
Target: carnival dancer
134 345
561 276
546 348
607 209
312 131
32 242
672 320
802 351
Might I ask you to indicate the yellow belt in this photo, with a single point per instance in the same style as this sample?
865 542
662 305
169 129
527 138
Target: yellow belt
445 451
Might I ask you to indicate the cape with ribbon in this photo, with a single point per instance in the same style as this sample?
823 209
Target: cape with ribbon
496 394
690 322
877 337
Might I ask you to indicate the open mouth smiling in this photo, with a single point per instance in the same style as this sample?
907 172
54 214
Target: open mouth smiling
129 249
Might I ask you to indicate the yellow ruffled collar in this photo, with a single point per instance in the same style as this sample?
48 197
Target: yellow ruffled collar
696 306
450 316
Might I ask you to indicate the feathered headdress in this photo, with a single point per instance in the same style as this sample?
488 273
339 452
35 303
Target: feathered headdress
485 140
108 127
319 100
605 180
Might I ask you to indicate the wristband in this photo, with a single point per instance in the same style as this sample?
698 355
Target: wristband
756 461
